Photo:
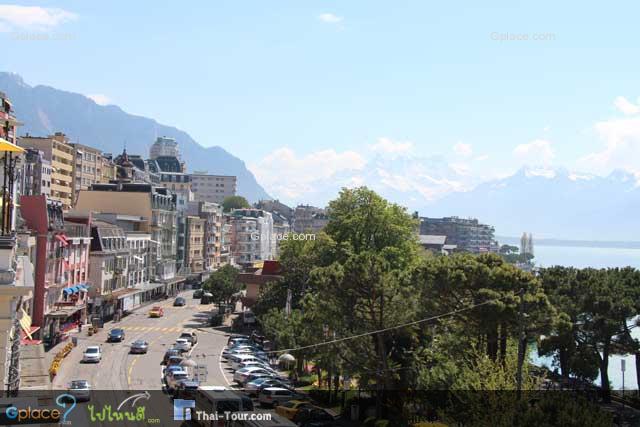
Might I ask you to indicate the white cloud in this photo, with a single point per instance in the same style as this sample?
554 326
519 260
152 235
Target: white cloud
622 146
32 18
464 150
460 168
389 146
625 106
482 158
290 176
538 152
330 18
100 99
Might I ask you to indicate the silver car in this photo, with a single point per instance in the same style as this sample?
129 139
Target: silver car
92 354
80 389
139 347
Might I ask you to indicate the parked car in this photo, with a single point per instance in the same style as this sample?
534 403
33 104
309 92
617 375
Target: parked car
179 302
249 363
191 336
169 369
139 347
238 339
115 335
240 376
169 353
80 389
274 382
254 386
156 311
311 416
174 377
92 354
198 293
239 359
182 345
273 396
290 409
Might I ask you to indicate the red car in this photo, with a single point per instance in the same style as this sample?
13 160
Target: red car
156 311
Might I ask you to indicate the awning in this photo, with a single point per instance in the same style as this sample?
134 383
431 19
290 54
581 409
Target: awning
71 290
7 146
64 312
83 288
62 240
25 324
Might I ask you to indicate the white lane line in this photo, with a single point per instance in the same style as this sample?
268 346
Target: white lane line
222 369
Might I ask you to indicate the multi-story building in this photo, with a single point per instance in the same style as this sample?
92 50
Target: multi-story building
212 214
468 234
164 146
59 152
35 172
108 168
87 167
309 219
61 269
195 244
156 205
108 268
281 228
276 206
251 236
8 122
212 188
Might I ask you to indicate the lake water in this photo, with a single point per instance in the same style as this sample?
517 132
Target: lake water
581 257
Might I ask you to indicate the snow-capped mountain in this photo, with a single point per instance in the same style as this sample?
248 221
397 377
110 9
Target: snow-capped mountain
552 203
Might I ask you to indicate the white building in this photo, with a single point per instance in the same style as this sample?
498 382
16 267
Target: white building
252 238
164 147
212 188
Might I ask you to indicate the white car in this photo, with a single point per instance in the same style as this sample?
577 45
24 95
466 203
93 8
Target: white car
239 359
182 344
275 395
80 389
174 377
249 363
92 354
241 375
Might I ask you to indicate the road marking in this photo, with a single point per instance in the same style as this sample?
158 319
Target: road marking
221 369
133 362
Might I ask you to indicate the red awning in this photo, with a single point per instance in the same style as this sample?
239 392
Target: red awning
62 240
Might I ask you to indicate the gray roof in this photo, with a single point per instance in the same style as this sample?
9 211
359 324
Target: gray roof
430 239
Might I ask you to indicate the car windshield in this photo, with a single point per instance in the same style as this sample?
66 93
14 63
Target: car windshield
140 342
91 350
116 331
179 375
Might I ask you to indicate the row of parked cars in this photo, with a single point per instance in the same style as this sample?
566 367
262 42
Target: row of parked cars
255 375
175 375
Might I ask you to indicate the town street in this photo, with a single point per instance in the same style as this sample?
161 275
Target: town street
120 370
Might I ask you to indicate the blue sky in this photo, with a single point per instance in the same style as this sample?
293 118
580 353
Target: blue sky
330 90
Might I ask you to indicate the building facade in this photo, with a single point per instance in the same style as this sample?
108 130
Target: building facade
309 219
35 172
61 154
87 167
195 246
211 213
468 234
212 188
164 146
251 236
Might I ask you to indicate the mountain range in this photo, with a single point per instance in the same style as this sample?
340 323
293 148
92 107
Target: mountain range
45 110
552 202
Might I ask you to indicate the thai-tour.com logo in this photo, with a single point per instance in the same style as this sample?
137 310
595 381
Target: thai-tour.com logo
185 410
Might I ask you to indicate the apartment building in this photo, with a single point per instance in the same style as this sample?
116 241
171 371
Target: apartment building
195 244
211 213
164 146
61 154
156 205
212 188
87 167
35 173
61 270
108 168
251 236
309 219
468 234
8 121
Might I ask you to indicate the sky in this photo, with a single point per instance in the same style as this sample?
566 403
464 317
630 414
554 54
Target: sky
418 96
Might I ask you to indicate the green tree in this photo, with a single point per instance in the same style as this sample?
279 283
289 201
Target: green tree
234 202
223 284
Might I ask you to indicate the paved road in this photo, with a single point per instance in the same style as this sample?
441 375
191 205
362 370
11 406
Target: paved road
120 370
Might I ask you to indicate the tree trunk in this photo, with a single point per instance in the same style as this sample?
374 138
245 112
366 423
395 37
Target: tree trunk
638 371
604 375
503 343
492 344
563 356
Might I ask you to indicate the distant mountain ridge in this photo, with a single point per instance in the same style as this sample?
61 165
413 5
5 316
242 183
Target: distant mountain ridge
552 203
45 110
